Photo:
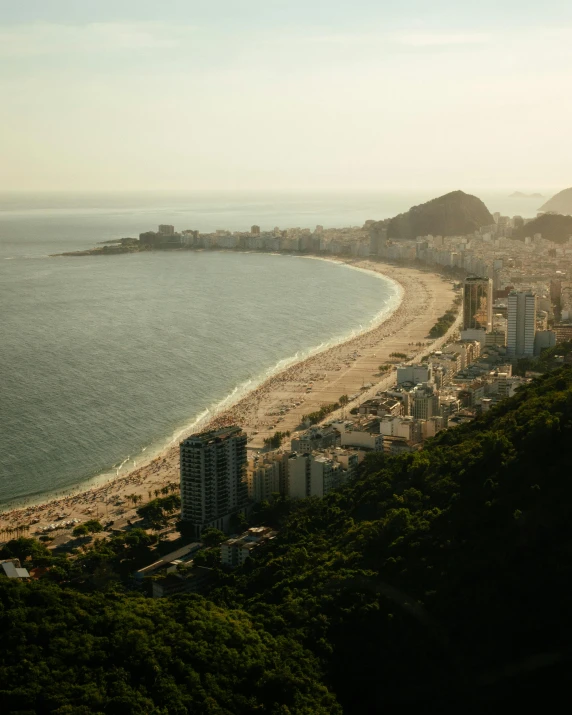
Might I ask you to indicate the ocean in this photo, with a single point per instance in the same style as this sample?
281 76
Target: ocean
105 360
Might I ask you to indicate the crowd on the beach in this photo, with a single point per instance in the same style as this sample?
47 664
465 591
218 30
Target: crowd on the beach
92 502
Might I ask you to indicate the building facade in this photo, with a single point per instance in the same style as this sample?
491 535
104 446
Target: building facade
213 478
521 324
263 479
415 373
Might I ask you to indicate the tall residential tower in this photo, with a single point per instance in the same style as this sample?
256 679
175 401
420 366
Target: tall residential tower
213 478
521 327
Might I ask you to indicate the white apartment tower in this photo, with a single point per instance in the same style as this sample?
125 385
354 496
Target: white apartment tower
213 477
521 324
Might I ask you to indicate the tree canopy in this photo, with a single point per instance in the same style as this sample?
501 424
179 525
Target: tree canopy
66 652
436 579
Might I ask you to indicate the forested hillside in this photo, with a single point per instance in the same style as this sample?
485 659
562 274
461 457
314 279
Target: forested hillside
436 574
552 227
435 579
453 214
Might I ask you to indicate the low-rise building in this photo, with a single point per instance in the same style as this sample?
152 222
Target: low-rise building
471 394
399 445
193 580
234 552
364 434
415 373
181 555
12 569
407 428
381 406
316 438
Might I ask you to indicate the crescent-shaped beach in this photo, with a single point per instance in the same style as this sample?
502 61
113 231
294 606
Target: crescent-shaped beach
344 369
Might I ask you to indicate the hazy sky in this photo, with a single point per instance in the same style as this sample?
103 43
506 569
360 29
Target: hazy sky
191 94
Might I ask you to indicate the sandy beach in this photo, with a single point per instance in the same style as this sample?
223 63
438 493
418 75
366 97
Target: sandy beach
278 404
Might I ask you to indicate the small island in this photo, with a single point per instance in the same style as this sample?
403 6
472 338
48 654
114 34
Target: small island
521 195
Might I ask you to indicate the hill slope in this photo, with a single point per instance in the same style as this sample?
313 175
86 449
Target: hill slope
453 214
435 578
436 574
553 227
560 202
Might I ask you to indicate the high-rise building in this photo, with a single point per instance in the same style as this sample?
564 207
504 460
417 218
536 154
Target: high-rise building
477 303
166 229
255 230
425 402
377 238
521 324
213 478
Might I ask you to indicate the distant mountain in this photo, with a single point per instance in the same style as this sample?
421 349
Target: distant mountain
560 203
520 195
453 214
553 227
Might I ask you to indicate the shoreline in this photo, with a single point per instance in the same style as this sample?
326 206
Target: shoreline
340 363
216 408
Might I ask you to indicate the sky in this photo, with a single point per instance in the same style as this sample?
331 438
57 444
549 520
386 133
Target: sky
285 94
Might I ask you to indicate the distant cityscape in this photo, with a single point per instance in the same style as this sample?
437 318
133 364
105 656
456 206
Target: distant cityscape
534 265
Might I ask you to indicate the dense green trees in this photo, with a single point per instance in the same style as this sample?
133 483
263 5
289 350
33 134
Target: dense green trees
437 579
80 530
276 440
93 526
317 416
549 359
65 652
157 511
212 537
437 571
24 548
89 527
443 324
